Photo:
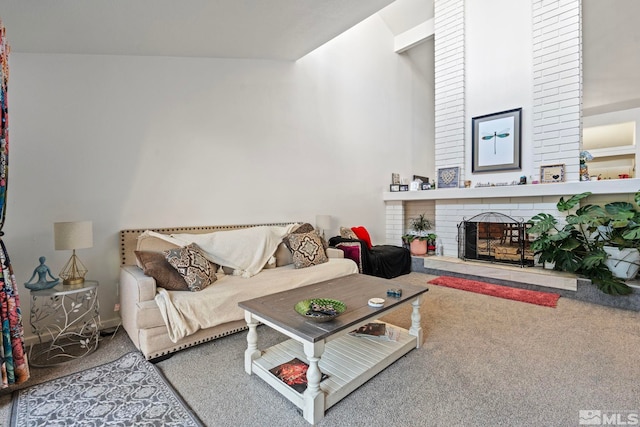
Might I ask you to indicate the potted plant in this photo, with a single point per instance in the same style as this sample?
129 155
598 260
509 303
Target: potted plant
622 236
578 246
418 236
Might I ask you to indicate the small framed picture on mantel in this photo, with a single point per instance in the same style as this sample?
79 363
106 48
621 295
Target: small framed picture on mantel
551 173
449 177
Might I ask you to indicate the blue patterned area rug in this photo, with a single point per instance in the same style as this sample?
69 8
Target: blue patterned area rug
127 392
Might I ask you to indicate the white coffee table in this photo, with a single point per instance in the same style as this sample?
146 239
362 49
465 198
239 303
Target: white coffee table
328 348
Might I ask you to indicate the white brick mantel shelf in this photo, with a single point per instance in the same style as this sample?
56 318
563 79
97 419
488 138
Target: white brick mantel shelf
612 186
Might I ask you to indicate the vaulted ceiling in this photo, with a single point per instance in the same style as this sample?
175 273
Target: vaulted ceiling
289 29
265 29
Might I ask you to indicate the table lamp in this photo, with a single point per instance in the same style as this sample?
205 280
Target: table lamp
73 235
323 222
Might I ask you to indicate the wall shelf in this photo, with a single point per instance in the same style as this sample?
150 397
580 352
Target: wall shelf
623 150
609 186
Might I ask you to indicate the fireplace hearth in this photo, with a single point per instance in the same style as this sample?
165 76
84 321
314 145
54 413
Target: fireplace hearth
494 237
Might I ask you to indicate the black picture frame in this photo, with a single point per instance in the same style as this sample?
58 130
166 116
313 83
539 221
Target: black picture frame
496 141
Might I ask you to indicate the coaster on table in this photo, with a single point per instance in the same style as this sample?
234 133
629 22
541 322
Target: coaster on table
376 302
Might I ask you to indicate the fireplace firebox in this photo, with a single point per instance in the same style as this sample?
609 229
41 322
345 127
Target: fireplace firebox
494 237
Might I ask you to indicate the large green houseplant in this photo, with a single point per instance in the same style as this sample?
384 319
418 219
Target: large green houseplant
579 245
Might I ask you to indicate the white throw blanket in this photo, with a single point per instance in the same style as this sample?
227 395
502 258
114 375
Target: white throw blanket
245 250
185 312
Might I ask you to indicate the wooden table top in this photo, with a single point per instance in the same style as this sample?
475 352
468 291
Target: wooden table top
354 290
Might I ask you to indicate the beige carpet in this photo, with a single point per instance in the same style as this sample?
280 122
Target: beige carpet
485 362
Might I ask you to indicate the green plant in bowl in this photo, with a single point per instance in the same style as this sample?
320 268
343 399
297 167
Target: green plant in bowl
320 309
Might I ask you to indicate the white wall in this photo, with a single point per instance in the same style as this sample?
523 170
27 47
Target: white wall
422 153
131 142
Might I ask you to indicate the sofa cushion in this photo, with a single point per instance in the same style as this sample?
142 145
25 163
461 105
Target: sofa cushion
307 249
155 264
149 243
362 234
283 255
192 265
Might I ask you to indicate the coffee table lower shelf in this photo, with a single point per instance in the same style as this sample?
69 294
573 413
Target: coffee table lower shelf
348 361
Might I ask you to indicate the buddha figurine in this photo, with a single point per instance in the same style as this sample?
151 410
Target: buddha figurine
42 271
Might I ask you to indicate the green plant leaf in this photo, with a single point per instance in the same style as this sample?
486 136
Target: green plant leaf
612 286
561 235
616 208
567 261
569 244
633 233
564 206
540 244
594 259
541 223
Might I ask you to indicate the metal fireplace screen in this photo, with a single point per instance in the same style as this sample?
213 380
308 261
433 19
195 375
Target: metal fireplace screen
494 237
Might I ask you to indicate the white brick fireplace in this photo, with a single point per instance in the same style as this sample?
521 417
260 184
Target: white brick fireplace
449 207
542 74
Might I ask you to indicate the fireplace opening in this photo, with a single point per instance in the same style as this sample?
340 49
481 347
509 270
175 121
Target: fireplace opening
494 237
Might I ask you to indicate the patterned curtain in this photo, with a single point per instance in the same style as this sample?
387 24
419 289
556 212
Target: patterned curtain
14 361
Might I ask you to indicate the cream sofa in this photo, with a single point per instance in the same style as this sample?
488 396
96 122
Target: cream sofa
143 319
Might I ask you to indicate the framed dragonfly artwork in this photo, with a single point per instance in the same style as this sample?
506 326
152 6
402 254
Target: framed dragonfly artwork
496 141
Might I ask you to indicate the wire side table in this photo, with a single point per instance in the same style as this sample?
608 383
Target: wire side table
67 322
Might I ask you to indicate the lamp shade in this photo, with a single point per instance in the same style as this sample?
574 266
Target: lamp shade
323 222
73 235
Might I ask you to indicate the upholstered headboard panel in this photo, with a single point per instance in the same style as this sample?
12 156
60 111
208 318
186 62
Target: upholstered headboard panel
129 238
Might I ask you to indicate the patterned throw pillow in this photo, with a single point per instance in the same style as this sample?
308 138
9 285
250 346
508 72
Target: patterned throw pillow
197 271
154 264
307 249
347 233
305 228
